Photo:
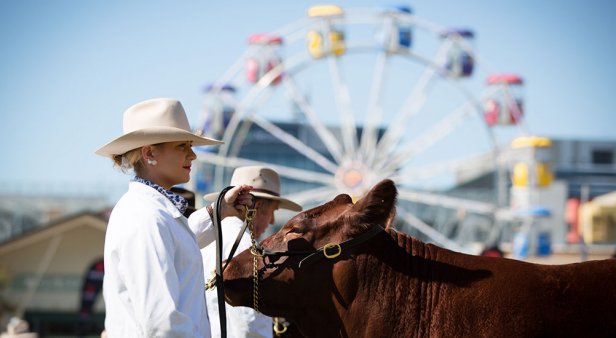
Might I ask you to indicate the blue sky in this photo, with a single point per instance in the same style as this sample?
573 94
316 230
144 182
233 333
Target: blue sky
70 68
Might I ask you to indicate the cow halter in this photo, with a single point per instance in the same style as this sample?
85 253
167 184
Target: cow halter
329 251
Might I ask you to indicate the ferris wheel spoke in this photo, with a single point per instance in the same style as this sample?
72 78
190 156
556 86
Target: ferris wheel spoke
343 101
374 112
232 72
330 142
436 133
229 148
414 103
431 170
447 201
429 231
412 106
237 119
240 135
290 172
315 195
303 175
294 143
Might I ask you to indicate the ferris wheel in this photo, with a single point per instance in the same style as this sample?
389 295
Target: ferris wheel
353 96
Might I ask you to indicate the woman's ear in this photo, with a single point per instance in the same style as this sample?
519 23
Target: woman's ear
146 152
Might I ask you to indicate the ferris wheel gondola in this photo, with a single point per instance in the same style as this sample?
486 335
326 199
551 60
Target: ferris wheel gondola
418 115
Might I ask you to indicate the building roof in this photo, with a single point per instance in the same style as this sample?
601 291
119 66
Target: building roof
96 220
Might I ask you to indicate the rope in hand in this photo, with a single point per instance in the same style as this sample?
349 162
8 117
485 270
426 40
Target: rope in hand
222 314
217 280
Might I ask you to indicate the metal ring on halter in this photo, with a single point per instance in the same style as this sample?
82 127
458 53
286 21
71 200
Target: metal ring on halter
255 251
277 327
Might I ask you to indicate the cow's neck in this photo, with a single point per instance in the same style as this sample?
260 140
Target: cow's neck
390 286
400 282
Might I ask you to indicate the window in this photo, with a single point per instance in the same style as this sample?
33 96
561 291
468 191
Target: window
603 156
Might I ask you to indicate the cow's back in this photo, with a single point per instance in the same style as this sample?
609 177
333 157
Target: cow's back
451 294
520 299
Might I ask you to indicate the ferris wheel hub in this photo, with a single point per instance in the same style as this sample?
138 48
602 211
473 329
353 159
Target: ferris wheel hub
353 178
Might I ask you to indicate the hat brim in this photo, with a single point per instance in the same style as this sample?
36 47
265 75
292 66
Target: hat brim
284 203
142 137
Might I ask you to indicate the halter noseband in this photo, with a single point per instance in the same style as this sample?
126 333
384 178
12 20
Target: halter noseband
329 251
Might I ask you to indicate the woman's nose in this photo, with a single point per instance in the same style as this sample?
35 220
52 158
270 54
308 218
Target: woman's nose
192 155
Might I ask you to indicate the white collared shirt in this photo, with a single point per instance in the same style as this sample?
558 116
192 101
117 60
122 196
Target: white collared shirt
241 321
153 285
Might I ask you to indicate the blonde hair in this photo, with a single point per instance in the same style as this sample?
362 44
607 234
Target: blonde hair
129 160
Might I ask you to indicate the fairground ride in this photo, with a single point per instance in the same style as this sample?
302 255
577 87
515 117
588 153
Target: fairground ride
379 93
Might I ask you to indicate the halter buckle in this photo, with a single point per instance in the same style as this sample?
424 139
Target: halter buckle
329 246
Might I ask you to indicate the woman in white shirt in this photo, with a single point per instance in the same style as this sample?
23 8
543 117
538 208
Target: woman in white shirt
153 285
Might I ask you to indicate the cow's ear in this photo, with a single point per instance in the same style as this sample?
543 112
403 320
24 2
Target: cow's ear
389 223
377 206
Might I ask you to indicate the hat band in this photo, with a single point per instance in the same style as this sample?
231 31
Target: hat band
267 192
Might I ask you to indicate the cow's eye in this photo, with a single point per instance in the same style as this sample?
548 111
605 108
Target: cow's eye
294 232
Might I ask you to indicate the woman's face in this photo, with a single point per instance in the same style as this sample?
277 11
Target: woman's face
173 163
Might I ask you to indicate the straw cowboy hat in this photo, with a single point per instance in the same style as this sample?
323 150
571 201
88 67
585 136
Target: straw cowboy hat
265 183
151 122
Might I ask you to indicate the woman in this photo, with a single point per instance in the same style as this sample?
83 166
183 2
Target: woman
153 285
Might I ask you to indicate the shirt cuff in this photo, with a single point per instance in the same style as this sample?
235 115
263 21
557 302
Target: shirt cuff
200 222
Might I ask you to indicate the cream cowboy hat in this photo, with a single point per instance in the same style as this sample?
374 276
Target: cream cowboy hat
265 183
151 122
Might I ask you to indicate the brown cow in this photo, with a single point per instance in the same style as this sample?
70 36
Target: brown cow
387 284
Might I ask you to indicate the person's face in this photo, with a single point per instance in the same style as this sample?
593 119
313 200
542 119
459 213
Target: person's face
264 215
173 165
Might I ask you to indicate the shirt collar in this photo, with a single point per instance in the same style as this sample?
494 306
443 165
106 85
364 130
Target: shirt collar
177 200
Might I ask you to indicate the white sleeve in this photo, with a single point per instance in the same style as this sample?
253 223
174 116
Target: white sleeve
201 225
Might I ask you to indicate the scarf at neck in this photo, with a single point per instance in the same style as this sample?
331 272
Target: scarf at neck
177 200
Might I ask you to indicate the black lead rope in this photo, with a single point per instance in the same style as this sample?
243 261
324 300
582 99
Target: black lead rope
218 283
222 313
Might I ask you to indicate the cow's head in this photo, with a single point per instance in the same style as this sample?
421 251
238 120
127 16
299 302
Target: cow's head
284 288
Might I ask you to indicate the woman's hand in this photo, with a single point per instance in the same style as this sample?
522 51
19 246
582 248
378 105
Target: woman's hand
236 200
